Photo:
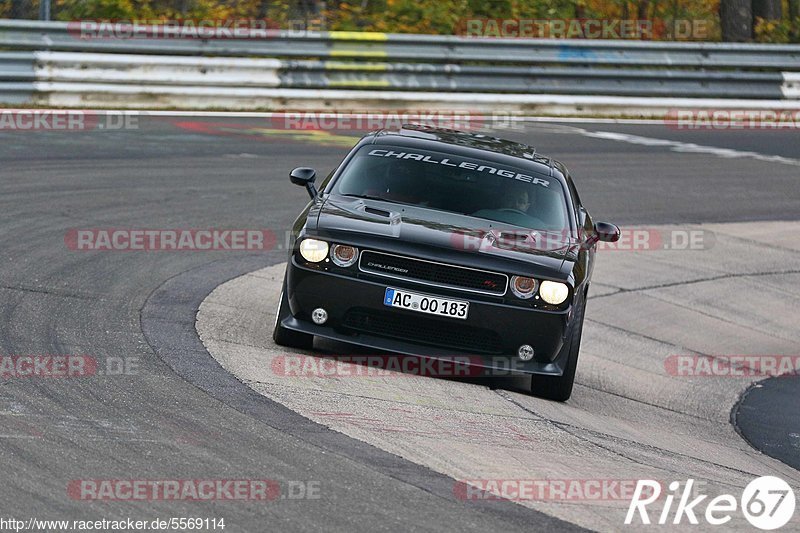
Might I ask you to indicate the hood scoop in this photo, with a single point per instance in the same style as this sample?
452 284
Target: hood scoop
512 239
361 217
376 211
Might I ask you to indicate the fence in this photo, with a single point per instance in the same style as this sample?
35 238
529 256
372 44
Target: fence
74 65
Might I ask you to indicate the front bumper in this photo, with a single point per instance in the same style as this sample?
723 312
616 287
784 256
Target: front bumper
490 336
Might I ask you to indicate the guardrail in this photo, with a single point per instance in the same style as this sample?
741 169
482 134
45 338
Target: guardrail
50 60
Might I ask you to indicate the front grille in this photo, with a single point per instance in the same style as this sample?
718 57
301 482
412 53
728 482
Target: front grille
432 273
423 330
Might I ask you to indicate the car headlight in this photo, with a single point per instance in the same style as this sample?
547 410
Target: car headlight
343 255
553 292
523 287
313 250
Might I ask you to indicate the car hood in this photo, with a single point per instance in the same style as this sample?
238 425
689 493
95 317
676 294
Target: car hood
379 220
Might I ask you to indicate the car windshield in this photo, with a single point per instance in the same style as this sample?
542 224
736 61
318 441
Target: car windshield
479 188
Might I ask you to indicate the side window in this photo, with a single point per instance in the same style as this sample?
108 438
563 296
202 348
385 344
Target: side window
581 215
327 180
574 192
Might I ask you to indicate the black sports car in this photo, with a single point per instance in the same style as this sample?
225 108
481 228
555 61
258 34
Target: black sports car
434 242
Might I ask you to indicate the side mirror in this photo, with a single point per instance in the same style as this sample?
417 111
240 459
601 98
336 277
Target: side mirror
606 232
305 177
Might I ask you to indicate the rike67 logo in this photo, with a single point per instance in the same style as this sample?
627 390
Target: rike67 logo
767 503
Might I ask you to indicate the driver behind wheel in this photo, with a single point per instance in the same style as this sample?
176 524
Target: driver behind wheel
515 208
519 200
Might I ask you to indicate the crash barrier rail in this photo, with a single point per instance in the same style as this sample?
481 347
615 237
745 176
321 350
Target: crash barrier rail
47 58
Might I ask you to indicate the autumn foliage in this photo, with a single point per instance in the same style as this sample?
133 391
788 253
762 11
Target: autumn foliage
423 16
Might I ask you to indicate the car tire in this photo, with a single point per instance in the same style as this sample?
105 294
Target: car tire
288 337
559 388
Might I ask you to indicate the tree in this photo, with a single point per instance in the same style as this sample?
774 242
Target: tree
794 15
736 20
20 9
263 9
767 9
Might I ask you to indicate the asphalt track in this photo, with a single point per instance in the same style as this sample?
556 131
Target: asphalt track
154 423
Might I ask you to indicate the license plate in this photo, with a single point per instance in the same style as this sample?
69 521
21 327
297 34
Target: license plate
423 303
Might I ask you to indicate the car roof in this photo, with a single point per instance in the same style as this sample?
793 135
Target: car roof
477 145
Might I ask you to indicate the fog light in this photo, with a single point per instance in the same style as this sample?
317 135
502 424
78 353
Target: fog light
344 256
523 287
319 316
525 352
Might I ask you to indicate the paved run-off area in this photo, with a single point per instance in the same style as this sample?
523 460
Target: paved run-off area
632 415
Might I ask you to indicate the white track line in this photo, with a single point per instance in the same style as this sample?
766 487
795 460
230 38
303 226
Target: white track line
677 146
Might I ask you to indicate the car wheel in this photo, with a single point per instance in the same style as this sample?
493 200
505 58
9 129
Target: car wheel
559 388
287 337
